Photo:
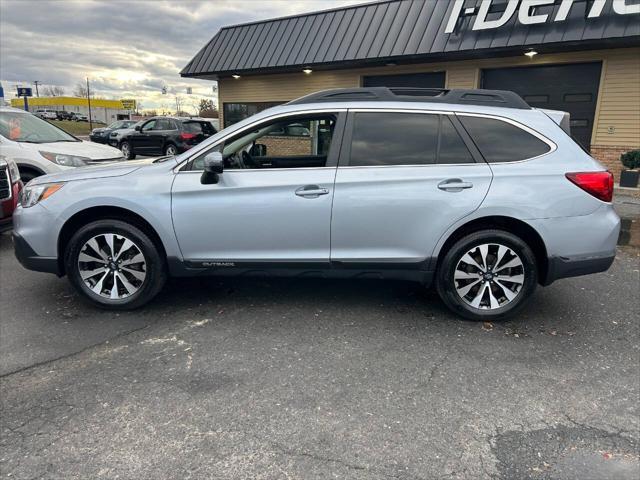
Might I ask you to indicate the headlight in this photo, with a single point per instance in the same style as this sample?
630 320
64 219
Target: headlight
14 173
32 194
65 160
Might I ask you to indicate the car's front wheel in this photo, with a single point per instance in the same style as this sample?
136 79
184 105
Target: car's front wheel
487 275
127 151
115 264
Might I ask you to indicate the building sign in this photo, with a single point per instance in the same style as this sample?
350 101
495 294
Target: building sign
527 14
128 104
24 92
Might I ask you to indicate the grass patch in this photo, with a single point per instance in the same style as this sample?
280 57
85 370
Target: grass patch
74 128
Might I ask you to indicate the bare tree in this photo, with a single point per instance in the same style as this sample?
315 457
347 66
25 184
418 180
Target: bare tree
80 90
53 91
207 109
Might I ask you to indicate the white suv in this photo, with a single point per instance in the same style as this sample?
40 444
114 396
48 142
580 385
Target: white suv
39 147
46 114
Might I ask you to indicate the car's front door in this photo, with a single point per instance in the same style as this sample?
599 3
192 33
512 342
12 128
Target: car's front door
141 139
272 203
404 177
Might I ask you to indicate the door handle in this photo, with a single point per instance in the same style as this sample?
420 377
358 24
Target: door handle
454 185
311 191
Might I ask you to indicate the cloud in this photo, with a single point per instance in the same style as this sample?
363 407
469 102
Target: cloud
128 49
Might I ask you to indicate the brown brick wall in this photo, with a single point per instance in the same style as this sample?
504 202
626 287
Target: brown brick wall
609 156
286 146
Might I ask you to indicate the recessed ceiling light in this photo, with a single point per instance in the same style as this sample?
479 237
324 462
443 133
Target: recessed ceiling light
531 53
307 71
236 76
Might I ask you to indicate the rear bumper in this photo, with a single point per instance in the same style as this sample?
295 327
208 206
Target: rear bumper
30 260
560 267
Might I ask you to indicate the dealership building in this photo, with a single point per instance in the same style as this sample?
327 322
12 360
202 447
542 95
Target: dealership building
580 56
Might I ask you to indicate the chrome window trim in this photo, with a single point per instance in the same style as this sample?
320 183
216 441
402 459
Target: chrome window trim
178 169
552 145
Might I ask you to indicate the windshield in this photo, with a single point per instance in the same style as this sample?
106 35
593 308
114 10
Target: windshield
23 127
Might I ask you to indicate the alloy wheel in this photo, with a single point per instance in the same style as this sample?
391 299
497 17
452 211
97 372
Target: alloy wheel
112 266
171 150
489 276
124 148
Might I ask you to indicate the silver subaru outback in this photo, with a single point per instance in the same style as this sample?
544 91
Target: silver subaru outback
473 191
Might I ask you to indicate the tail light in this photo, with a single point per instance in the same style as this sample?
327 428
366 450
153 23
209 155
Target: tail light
188 136
598 184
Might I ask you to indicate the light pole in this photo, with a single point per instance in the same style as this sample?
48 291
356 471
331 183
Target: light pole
36 83
89 102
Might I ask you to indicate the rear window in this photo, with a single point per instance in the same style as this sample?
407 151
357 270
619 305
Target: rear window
500 141
199 127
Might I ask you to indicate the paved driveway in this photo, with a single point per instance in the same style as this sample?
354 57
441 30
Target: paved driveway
313 379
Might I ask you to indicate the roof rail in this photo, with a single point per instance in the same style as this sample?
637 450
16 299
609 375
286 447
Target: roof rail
493 98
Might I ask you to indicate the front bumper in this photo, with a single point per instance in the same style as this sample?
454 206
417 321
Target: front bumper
99 138
30 260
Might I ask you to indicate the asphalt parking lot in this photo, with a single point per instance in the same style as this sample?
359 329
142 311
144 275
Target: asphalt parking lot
261 378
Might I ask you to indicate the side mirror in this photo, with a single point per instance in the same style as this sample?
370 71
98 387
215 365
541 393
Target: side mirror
213 166
137 128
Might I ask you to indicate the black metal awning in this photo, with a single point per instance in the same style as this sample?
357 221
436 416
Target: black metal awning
406 31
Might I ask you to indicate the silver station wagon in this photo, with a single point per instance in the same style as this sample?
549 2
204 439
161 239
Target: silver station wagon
472 191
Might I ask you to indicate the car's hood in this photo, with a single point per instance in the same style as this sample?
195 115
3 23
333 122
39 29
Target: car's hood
94 151
99 130
86 173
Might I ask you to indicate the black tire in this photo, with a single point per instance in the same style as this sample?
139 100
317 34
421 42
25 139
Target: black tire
446 284
127 150
155 264
168 149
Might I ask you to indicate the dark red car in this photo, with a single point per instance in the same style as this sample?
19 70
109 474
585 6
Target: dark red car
10 186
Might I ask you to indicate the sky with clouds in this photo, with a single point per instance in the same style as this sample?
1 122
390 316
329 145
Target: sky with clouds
127 48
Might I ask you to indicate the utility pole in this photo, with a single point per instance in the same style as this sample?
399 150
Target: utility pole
36 83
89 102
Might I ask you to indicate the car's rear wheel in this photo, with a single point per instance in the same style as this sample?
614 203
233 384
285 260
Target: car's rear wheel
115 264
487 275
127 151
170 149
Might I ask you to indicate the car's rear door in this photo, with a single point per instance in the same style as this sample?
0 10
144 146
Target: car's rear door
404 177
260 211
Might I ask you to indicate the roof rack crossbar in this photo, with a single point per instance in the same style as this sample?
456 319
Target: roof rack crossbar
496 98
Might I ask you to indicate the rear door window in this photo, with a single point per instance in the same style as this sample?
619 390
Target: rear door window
394 138
499 141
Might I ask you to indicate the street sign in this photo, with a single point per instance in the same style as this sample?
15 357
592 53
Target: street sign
128 104
24 92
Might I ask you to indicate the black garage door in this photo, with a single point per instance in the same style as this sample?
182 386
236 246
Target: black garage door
421 80
571 88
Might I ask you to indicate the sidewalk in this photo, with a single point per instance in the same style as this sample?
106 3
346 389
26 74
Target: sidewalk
628 207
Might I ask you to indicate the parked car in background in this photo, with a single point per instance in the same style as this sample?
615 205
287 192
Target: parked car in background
471 190
38 147
79 117
63 115
116 136
101 135
165 136
46 114
10 187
